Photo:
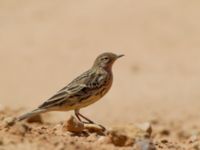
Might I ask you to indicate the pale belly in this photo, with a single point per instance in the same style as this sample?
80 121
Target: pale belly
85 102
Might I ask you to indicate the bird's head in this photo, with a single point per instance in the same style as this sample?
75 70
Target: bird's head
106 60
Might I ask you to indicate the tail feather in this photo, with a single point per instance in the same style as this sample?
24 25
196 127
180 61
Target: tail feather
30 114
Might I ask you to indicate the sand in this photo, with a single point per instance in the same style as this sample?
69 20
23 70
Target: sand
45 44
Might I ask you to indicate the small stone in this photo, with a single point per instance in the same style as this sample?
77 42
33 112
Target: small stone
117 138
36 119
183 134
145 127
94 128
9 121
143 144
104 140
193 139
73 125
154 121
194 146
165 132
1 142
127 134
164 141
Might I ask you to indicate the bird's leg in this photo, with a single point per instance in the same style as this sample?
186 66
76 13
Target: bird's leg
78 115
89 121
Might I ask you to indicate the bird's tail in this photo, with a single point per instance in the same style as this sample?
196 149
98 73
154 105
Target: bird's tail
30 114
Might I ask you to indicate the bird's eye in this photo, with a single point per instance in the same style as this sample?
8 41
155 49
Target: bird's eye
104 59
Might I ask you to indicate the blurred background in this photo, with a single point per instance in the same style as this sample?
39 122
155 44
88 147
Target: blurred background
45 44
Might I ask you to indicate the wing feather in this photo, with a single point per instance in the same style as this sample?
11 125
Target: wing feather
79 87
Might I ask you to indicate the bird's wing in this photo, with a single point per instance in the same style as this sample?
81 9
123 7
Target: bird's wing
79 86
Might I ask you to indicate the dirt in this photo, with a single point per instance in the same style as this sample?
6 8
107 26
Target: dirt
45 44
72 134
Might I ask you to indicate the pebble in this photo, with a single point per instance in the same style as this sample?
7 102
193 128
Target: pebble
73 125
9 121
35 119
126 135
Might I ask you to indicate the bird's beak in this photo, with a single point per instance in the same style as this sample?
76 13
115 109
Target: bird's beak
120 56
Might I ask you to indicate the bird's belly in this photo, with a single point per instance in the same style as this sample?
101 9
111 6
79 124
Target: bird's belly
92 99
80 104
88 101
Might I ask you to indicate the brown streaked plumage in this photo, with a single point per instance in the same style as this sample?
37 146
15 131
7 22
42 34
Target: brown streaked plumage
82 91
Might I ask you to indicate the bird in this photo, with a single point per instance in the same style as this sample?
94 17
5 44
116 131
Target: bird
84 90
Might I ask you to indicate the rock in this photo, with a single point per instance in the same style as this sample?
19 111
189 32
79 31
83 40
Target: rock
193 139
36 119
164 141
164 132
9 121
117 138
127 134
73 125
104 140
143 144
145 127
94 128
194 146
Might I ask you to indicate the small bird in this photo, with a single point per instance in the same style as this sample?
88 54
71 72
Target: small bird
84 90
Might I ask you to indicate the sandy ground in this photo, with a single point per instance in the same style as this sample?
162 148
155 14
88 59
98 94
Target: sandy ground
45 44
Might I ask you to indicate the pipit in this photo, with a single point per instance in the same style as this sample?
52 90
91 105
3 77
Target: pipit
84 90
